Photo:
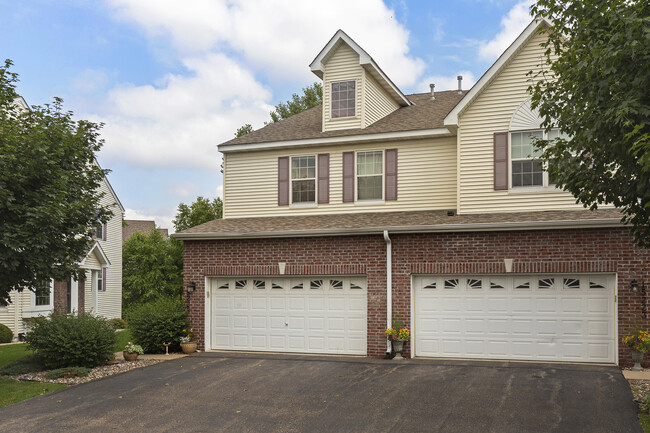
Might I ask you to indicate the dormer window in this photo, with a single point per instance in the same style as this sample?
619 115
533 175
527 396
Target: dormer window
343 99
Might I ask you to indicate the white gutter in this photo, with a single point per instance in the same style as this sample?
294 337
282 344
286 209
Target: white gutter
435 228
345 139
389 287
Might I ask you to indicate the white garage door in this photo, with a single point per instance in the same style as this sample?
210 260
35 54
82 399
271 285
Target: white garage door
528 317
303 315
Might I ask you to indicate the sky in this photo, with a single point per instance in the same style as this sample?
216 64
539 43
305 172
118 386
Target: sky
172 79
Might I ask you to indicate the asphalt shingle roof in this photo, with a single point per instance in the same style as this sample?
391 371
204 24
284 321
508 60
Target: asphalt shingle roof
378 221
424 114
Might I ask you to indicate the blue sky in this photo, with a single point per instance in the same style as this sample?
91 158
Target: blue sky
171 79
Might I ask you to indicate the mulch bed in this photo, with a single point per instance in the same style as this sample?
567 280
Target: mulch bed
95 373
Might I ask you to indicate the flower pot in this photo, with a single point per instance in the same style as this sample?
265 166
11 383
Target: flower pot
398 347
637 357
189 347
129 356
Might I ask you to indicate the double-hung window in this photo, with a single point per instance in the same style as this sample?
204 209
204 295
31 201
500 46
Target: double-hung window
303 179
370 175
343 99
527 168
42 295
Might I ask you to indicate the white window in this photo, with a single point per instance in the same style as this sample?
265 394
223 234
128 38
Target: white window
343 99
303 179
370 175
43 295
527 169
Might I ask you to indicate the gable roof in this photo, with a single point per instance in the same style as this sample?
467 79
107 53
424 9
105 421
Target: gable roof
504 59
432 221
97 250
365 61
424 115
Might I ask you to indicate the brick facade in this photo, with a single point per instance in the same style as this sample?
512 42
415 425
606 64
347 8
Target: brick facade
539 251
60 296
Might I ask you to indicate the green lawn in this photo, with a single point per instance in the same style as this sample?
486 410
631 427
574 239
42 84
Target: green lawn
12 352
123 337
13 391
644 418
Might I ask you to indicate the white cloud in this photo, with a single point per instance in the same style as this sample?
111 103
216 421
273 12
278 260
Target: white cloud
183 190
279 38
162 220
447 82
512 24
180 123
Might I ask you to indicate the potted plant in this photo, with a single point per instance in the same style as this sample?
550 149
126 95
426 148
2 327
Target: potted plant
131 351
187 341
639 343
398 336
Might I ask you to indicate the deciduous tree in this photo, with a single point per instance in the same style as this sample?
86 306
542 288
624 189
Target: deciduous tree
597 91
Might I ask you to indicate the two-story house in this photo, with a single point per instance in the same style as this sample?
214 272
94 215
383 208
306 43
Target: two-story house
99 293
431 207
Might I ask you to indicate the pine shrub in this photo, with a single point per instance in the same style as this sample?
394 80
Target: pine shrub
157 322
72 340
6 336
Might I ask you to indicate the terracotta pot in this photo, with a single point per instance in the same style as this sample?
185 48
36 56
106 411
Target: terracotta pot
129 356
189 347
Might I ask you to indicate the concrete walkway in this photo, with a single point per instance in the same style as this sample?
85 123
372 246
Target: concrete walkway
640 375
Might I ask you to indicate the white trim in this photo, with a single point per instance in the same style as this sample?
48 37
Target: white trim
412 328
207 326
365 61
370 201
616 350
452 118
291 180
102 256
435 228
347 139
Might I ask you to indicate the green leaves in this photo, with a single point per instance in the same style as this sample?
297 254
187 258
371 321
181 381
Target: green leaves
312 96
598 92
199 212
49 197
152 267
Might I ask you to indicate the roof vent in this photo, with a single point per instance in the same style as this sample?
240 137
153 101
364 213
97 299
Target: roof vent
460 84
433 91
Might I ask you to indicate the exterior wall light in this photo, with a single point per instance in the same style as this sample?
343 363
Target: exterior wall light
191 287
634 285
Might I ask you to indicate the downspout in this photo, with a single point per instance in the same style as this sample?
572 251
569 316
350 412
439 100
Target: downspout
389 288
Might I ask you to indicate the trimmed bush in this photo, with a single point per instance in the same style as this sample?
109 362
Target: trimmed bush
72 340
118 323
64 373
6 336
157 322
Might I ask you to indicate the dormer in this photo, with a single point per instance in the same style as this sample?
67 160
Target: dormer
356 92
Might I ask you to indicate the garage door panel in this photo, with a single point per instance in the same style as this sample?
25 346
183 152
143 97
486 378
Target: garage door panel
315 315
545 317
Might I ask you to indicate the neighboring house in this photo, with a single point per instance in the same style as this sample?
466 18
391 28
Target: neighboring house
130 227
427 207
101 291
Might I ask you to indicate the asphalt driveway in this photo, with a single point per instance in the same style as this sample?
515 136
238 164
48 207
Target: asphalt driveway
264 393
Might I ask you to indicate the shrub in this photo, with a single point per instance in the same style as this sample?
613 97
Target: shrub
6 336
63 373
644 407
118 323
157 322
72 340
26 364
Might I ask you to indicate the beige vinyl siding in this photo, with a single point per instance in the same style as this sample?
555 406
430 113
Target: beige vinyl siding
91 261
426 179
12 315
109 303
489 113
376 102
342 65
